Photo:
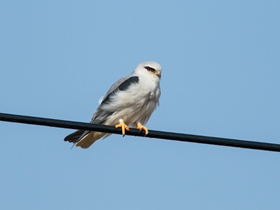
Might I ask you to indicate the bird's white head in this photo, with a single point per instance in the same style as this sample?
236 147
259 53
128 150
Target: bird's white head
148 68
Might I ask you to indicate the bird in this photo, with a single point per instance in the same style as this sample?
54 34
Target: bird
129 102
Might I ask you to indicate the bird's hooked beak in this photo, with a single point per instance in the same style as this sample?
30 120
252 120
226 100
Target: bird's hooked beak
158 73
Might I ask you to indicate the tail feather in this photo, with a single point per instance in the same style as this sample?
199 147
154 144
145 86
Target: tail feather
74 137
89 139
84 139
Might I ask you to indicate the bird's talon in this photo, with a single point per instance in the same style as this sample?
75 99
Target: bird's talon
141 127
123 126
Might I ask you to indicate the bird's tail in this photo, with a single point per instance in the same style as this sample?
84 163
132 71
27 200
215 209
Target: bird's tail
84 139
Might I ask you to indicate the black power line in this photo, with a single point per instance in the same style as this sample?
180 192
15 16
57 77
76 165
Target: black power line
135 132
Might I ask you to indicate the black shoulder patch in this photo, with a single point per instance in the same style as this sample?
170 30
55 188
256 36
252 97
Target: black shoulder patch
128 82
123 86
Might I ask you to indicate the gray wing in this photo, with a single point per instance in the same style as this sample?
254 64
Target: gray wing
100 114
123 84
115 86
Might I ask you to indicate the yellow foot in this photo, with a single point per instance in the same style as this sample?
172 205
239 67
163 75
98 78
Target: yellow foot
123 126
142 127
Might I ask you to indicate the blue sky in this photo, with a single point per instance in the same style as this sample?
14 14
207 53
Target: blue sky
221 73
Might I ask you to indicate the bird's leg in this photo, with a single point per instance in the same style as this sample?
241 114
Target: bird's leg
123 126
142 127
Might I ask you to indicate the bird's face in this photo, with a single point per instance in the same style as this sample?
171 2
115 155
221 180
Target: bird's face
149 68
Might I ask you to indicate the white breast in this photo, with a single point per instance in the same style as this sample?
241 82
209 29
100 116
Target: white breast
136 104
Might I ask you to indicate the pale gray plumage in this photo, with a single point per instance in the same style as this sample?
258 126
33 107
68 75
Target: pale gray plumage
132 99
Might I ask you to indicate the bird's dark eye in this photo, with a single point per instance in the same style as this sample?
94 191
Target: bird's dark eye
150 69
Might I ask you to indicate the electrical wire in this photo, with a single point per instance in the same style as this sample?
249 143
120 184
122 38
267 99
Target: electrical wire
134 132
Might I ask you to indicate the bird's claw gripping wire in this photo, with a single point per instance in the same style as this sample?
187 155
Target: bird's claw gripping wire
123 126
142 127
